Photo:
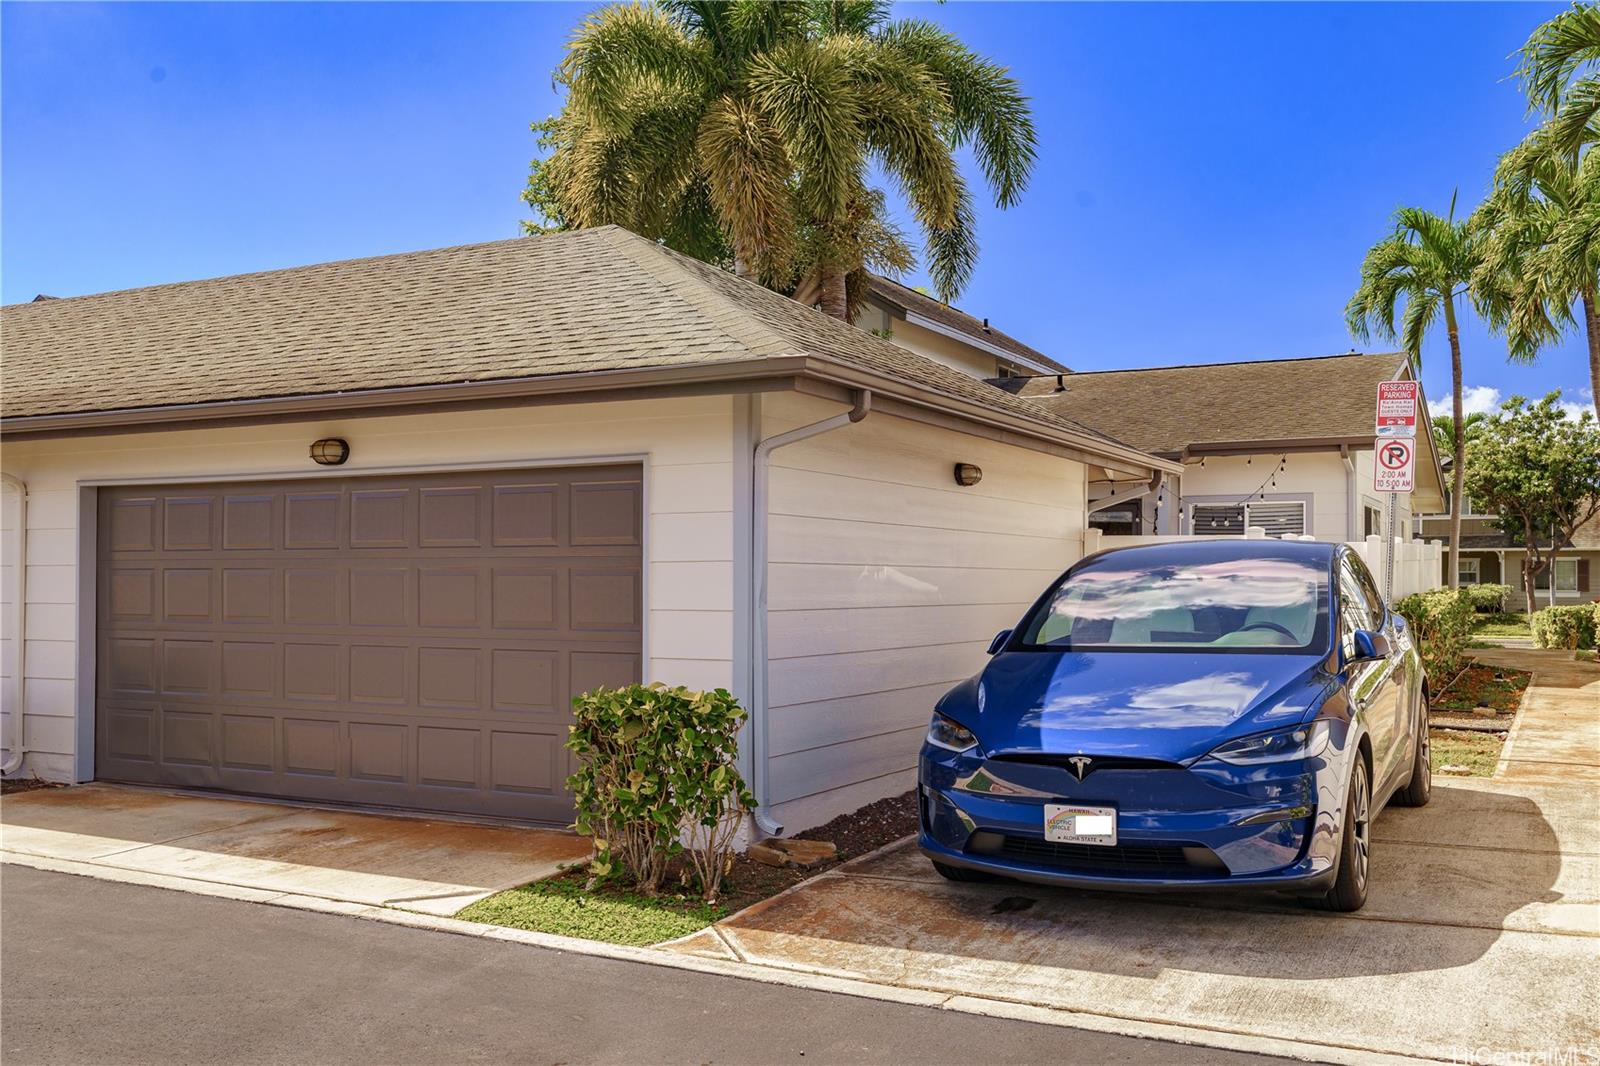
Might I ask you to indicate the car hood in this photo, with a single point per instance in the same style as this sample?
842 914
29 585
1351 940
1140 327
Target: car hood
1147 705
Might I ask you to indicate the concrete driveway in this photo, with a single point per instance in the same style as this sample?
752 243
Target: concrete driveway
1482 929
264 850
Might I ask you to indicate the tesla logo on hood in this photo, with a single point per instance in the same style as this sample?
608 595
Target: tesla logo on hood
1080 765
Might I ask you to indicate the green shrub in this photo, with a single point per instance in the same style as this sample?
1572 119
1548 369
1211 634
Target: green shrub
1487 597
1441 621
656 767
1572 626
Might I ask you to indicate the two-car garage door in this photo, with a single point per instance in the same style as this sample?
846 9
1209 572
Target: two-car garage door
406 641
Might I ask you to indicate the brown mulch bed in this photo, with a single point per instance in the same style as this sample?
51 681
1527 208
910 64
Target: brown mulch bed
24 784
1497 688
855 833
749 881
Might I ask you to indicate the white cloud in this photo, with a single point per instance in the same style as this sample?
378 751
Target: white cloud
1484 399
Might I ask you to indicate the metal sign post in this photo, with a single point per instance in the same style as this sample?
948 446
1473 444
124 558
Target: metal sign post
1388 554
1394 465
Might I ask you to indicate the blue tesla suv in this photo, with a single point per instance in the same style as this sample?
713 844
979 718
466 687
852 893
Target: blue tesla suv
1203 715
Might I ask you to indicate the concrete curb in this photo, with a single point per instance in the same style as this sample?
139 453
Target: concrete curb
1504 762
794 978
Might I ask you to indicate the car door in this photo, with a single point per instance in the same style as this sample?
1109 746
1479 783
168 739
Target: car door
1404 677
1374 685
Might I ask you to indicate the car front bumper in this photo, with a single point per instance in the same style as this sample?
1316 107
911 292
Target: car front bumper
1206 827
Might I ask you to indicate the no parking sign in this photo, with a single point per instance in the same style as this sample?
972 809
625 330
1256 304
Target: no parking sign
1395 466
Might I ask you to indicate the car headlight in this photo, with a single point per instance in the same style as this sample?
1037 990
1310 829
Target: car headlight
944 733
1301 742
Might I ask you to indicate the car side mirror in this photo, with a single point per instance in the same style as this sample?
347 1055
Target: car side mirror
1369 645
999 641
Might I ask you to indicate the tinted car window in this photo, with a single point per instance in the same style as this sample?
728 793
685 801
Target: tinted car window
1227 605
1357 608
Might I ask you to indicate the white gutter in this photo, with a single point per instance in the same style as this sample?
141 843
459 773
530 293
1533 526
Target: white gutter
1107 501
1349 494
977 342
16 624
759 731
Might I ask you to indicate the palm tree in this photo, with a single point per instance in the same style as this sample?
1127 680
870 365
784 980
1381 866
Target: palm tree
744 130
1558 74
1541 252
1424 265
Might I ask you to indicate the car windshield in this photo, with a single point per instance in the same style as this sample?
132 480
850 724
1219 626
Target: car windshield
1119 603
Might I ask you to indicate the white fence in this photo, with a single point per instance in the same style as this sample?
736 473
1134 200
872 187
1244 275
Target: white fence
1418 565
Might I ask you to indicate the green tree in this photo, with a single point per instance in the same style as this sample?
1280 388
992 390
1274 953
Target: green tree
1539 470
1541 255
1558 72
1444 433
1409 280
742 131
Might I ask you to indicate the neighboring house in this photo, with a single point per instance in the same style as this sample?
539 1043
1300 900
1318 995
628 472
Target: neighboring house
1284 444
922 324
1491 556
568 458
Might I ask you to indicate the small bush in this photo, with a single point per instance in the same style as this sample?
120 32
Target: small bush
1570 627
1442 623
656 767
1487 597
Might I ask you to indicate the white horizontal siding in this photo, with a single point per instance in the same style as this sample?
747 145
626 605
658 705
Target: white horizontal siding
887 582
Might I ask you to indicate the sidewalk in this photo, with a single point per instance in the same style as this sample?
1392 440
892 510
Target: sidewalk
265 850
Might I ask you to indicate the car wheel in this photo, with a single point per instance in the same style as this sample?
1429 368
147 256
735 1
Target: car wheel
1420 787
1349 891
961 873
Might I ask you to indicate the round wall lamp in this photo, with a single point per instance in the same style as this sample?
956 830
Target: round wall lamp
968 474
330 451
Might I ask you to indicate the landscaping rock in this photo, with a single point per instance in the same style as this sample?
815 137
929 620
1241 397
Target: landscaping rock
805 852
784 852
765 854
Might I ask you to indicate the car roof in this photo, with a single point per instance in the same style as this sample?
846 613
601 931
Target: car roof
1195 550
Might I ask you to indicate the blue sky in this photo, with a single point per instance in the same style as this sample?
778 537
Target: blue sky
1209 176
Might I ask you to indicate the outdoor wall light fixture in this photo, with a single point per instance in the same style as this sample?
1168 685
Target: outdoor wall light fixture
968 474
330 451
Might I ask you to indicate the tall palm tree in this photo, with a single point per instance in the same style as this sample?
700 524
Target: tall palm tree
1558 72
747 128
1541 249
1408 281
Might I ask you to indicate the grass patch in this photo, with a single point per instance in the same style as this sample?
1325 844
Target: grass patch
1588 655
1465 754
1502 625
617 916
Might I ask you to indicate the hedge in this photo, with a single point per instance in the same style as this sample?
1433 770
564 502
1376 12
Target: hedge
656 779
1487 596
1441 621
1571 626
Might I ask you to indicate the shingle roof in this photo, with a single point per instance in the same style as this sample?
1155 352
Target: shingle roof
1165 409
591 300
908 299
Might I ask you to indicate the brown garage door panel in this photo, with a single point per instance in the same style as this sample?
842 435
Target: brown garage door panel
406 641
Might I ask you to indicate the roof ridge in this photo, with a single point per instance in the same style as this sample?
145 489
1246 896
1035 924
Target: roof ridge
1231 362
247 274
671 269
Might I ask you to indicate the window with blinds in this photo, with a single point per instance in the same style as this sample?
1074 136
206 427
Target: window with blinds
1278 519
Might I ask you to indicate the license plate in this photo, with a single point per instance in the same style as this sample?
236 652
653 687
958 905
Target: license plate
1066 823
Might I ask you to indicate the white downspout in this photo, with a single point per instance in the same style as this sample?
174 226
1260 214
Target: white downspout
1349 494
759 731
16 624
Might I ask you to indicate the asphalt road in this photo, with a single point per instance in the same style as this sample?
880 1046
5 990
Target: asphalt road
97 972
